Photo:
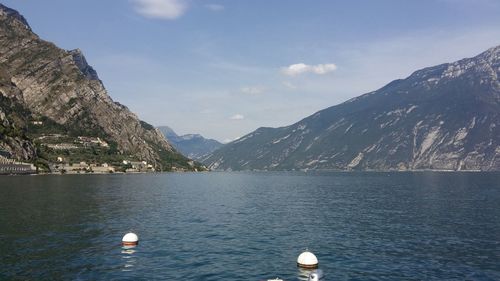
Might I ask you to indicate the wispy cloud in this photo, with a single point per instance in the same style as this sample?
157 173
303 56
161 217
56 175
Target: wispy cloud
214 7
301 68
161 9
237 117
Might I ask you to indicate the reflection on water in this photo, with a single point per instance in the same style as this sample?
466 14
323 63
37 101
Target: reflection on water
128 257
316 275
303 274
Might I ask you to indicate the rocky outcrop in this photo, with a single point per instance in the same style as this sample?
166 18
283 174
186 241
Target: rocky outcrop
60 85
13 141
83 66
445 117
8 12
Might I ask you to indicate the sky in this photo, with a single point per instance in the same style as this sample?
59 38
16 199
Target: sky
223 68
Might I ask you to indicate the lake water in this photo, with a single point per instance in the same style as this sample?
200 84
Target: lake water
251 226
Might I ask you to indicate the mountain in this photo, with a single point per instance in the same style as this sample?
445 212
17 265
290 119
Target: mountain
442 117
168 132
13 139
56 92
193 146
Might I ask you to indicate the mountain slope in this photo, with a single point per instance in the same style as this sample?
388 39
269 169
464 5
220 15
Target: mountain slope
441 117
193 146
48 82
13 139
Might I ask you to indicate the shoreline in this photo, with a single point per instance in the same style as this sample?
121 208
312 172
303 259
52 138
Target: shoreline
258 171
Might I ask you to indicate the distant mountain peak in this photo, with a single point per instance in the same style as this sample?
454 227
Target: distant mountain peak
194 146
191 136
493 52
82 64
4 10
168 132
485 63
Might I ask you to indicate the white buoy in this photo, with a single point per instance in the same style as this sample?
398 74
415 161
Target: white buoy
307 260
316 275
130 239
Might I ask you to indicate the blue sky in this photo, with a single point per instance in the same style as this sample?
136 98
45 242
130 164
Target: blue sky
223 68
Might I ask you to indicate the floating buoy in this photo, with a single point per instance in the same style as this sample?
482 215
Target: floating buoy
130 239
316 275
307 260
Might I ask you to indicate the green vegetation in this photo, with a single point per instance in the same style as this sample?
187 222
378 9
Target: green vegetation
48 127
170 161
41 162
11 131
46 135
14 114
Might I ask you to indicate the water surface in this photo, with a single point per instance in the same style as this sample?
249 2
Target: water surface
251 226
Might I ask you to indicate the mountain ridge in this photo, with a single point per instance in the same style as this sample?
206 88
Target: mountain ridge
194 146
440 117
60 86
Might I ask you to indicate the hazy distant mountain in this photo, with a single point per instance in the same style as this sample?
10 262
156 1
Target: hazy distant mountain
193 146
59 92
441 117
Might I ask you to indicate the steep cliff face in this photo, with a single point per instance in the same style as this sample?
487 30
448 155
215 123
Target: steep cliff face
50 82
13 140
443 117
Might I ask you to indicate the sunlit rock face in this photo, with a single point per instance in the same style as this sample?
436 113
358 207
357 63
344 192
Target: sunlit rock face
445 117
60 85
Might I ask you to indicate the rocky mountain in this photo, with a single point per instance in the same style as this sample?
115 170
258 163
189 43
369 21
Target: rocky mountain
442 117
168 132
193 146
60 87
13 139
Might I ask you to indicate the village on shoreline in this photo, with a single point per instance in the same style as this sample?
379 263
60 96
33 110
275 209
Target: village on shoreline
64 154
13 167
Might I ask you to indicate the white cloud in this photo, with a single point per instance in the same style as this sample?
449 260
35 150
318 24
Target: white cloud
254 90
237 117
161 9
300 68
214 7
